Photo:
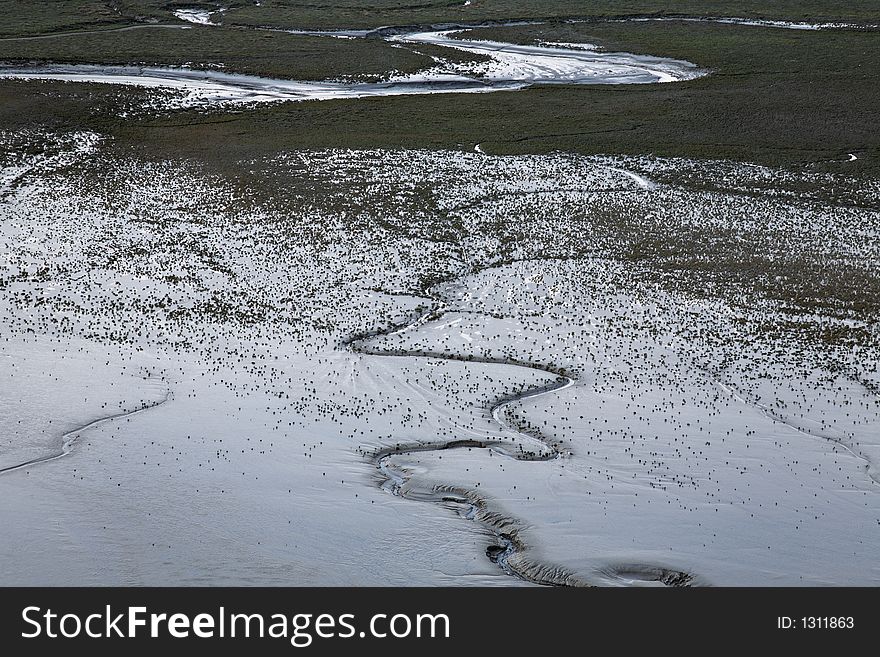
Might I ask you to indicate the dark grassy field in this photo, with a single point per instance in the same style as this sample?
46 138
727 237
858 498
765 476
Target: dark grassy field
781 97
271 54
397 12
18 17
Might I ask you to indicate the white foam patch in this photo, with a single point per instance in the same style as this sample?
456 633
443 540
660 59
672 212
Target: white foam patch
558 63
197 16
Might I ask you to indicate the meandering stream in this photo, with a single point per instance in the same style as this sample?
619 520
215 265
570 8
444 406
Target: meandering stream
504 67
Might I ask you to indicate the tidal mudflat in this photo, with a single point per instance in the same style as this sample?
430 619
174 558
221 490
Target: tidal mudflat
435 367
230 356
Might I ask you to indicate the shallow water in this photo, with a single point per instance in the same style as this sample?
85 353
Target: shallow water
511 67
686 450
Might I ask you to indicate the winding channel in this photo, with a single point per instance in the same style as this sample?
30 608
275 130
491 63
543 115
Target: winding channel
69 439
852 449
509 549
503 67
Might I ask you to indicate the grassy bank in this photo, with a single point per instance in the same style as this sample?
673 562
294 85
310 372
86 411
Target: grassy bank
781 97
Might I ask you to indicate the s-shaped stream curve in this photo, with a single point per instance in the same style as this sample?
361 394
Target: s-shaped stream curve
69 439
509 549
